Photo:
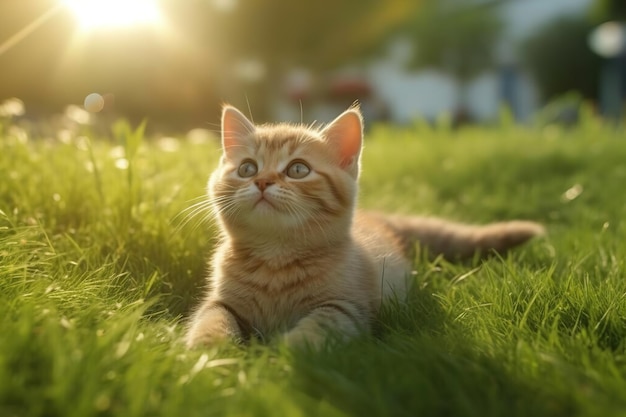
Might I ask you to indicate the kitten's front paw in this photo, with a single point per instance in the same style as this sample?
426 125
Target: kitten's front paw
211 326
195 338
305 337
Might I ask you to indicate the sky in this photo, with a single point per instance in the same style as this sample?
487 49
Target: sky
524 16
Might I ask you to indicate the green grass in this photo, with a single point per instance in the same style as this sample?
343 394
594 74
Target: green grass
98 270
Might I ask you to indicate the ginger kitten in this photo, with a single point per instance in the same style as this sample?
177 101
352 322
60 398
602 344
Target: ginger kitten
295 258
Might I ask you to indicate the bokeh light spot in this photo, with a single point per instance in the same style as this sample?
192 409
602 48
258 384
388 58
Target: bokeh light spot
94 103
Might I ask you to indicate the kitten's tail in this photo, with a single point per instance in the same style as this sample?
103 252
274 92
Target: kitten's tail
457 241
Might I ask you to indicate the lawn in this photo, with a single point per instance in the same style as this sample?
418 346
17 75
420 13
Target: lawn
100 263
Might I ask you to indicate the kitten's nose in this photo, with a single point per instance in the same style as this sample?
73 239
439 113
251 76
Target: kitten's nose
263 184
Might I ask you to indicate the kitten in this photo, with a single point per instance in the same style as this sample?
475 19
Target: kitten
295 258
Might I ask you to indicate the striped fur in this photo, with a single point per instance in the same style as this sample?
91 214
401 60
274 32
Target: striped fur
295 258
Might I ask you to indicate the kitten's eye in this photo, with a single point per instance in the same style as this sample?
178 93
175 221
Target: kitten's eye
247 169
297 170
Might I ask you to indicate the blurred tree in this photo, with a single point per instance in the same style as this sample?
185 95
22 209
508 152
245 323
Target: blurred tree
457 37
319 35
604 10
277 36
454 37
560 59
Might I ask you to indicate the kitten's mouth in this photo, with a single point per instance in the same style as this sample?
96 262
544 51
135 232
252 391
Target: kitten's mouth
262 201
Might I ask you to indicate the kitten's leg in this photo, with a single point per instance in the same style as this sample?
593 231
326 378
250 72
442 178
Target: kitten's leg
215 321
340 318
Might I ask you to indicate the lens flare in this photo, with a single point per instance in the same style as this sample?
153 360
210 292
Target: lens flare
92 14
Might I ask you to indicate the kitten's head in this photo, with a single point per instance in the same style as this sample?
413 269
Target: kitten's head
282 178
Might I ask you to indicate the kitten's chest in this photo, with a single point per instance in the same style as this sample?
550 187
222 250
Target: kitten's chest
275 299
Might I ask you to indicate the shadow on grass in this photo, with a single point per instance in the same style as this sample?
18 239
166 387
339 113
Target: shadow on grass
421 362
408 376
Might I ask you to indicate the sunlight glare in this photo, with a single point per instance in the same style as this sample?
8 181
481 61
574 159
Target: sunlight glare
93 14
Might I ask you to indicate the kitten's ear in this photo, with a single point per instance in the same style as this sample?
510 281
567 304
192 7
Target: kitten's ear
235 128
346 133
